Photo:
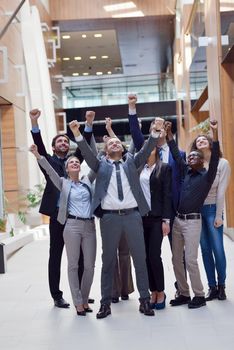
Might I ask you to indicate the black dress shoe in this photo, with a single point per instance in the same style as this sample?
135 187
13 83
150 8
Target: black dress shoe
221 293
91 301
63 304
115 300
124 297
104 311
212 294
180 300
197 302
145 308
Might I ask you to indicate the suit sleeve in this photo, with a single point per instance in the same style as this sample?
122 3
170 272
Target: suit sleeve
179 159
37 139
54 177
89 156
167 192
136 133
88 137
141 157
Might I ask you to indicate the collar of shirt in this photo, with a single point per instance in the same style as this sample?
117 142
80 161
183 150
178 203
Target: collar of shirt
190 171
164 147
113 160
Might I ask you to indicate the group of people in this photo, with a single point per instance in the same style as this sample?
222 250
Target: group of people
140 195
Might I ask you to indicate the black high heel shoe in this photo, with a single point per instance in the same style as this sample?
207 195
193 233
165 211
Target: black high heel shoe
88 309
81 313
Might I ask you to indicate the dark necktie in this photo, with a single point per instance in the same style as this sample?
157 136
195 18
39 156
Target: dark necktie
119 181
160 153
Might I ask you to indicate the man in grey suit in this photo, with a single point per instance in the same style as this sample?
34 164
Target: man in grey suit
119 201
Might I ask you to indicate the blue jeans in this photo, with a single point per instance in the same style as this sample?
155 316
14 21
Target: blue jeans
212 247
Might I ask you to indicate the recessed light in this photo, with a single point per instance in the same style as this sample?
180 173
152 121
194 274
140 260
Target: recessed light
85 73
75 74
105 56
77 58
66 58
66 36
84 36
121 6
109 72
129 14
93 57
98 35
99 73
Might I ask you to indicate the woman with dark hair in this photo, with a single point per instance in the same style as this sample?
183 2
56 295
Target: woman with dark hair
74 212
212 247
155 179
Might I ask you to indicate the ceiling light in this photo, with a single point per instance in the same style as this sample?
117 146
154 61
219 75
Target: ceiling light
93 57
99 73
121 6
98 35
105 56
84 36
85 73
109 72
77 58
66 58
129 14
75 74
66 36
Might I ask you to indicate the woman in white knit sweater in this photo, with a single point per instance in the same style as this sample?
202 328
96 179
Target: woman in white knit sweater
212 247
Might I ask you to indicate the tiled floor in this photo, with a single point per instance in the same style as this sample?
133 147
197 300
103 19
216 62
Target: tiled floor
28 320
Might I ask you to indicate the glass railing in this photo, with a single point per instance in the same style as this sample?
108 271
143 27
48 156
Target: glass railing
113 90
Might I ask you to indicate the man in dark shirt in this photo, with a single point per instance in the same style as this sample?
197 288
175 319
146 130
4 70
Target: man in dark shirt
196 184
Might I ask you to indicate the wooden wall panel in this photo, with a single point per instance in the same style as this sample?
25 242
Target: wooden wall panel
227 91
84 9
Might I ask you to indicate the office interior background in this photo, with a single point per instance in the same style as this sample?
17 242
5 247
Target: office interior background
66 57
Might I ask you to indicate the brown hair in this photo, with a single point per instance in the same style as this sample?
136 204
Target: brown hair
209 139
57 136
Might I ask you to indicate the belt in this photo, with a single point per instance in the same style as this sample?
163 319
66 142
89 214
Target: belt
188 216
120 211
78 218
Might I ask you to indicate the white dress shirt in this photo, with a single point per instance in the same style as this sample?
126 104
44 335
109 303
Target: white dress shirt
145 182
111 200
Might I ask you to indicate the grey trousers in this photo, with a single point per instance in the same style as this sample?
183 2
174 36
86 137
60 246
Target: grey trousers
80 233
185 240
112 227
122 281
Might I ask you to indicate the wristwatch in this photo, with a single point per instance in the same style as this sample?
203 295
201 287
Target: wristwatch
166 221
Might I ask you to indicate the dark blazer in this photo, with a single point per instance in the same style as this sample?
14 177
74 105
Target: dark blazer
138 139
160 189
51 193
104 169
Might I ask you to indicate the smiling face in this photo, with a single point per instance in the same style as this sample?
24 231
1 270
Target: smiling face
61 146
72 165
202 143
195 160
114 147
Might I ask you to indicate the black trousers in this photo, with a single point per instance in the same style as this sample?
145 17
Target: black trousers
55 256
153 241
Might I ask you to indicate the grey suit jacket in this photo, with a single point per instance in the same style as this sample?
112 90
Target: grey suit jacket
103 170
64 186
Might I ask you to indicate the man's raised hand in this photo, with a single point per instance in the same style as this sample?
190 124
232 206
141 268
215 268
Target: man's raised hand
35 114
75 128
132 100
89 116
